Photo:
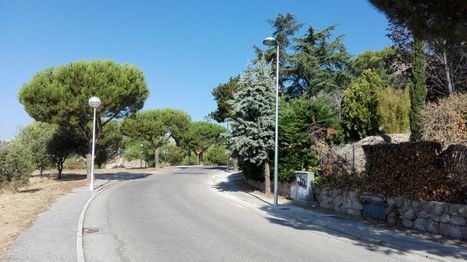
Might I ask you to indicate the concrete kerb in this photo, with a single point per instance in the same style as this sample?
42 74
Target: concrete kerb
294 211
79 231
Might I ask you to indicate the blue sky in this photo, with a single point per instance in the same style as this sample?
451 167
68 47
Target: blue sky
184 47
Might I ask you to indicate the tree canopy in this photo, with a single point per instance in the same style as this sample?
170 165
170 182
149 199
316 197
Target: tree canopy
428 19
36 138
319 63
223 93
156 126
201 135
60 95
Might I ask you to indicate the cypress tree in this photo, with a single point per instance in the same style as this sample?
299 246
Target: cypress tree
417 88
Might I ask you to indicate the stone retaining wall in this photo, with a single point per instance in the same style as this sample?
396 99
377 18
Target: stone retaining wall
284 188
434 217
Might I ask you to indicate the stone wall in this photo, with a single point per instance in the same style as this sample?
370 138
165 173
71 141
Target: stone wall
434 217
284 188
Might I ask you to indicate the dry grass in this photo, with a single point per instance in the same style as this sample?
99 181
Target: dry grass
19 210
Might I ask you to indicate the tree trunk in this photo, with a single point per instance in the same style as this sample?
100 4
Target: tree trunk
267 178
59 168
156 157
448 73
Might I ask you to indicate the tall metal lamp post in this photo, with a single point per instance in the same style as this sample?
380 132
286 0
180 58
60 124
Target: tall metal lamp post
94 102
271 41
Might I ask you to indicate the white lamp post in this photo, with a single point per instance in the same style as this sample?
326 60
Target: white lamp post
271 41
94 102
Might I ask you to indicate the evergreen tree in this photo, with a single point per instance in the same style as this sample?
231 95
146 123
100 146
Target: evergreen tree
360 104
319 64
35 138
285 27
223 93
155 127
252 123
417 89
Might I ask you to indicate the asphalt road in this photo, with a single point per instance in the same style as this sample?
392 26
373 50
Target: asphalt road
178 216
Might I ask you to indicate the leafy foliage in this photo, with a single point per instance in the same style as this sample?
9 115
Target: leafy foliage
381 61
136 149
59 95
15 166
109 144
65 142
319 63
359 106
216 155
201 135
393 110
285 27
156 126
223 93
174 155
428 19
300 120
35 139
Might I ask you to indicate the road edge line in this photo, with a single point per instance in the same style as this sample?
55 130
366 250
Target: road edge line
79 231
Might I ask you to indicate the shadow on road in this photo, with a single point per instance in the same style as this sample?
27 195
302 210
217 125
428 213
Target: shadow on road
122 176
400 243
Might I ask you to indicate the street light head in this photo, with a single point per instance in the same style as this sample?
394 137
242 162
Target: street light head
94 102
270 41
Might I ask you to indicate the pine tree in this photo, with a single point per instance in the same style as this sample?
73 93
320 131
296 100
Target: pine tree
417 88
319 64
252 123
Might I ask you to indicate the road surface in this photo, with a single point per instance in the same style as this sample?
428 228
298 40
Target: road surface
178 215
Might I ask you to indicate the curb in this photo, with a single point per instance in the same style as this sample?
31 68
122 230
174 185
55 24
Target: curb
79 231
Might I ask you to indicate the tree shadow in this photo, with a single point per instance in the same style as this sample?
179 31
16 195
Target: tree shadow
121 176
71 177
32 190
376 239
371 238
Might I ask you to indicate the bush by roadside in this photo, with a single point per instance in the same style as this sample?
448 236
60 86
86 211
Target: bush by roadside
15 166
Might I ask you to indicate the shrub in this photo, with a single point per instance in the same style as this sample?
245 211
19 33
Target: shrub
139 150
359 106
446 121
190 160
303 124
174 155
216 155
393 110
15 166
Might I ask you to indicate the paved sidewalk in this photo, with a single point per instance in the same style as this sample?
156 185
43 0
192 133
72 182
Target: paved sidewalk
370 236
52 237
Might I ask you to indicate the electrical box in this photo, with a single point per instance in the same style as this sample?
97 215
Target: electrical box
302 188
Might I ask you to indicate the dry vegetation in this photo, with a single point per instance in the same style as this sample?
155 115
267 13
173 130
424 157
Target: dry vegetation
19 210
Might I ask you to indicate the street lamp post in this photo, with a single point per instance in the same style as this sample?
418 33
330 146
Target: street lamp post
94 102
270 41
